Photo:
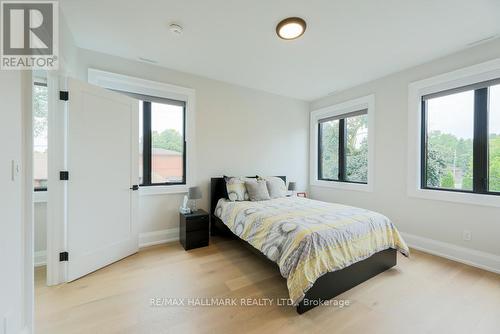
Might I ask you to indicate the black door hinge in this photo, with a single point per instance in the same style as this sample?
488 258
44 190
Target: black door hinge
63 95
63 257
64 175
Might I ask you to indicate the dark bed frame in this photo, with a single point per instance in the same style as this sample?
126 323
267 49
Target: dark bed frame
327 286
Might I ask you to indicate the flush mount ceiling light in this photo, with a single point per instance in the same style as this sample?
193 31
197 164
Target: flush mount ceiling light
291 28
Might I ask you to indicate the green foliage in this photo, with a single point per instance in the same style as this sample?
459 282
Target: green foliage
168 139
467 182
357 157
448 181
356 153
40 110
436 165
494 163
330 149
447 153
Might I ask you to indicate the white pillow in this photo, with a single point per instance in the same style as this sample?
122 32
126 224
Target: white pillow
275 186
257 190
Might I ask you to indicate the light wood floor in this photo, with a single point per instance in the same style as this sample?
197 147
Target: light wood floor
423 294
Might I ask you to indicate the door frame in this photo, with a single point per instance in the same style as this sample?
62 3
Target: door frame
27 206
56 190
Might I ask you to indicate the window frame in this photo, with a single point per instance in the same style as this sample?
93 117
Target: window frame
37 81
480 164
337 111
342 166
140 86
455 80
147 147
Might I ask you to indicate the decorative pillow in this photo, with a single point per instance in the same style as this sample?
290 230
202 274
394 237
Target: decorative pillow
236 190
275 186
257 190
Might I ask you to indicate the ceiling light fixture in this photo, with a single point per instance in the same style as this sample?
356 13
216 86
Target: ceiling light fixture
291 28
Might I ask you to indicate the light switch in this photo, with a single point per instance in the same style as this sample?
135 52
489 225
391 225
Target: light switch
15 169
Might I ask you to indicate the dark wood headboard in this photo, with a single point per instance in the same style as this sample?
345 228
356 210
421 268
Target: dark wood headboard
218 190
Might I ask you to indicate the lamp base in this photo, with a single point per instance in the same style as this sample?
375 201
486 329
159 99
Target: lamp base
193 206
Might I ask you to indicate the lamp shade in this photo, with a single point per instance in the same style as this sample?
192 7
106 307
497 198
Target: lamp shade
194 193
292 186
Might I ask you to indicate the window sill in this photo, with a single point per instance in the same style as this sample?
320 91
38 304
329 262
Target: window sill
40 197
343 185
163 190
456 197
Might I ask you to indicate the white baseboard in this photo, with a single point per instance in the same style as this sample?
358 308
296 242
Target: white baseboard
471 257
145 240
40 258
158 237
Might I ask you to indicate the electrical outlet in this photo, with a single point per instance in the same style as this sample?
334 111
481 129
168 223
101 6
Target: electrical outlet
466 235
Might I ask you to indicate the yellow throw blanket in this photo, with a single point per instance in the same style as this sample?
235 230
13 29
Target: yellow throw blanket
308 238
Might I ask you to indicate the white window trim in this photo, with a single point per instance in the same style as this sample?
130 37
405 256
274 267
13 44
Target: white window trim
459 78
40 196
159 89
366 102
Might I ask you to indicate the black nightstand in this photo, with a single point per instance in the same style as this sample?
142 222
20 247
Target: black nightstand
194 229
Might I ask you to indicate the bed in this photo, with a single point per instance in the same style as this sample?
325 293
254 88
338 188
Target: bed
321 249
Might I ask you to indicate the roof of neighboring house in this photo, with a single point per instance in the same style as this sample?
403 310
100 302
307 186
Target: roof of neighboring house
162 151
40 161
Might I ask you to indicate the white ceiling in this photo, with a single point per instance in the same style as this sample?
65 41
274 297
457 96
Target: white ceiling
346 43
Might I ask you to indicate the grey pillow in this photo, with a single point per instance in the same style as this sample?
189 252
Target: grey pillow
275 186
257 190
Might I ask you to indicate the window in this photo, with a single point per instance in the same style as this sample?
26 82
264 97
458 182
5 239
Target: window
40 132
162 158
167 113
461 139
343 148
342 145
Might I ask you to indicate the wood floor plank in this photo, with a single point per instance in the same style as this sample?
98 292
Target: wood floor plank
423 294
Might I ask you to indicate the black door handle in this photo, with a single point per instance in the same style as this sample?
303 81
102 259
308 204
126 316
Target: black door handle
135 187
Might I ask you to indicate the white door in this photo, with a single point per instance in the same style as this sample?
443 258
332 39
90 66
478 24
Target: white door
102 160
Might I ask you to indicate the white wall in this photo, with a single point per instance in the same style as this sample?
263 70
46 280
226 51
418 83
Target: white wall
40 226
239 131
436 220
67 48
11 230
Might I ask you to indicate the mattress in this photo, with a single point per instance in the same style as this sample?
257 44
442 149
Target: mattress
308 238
